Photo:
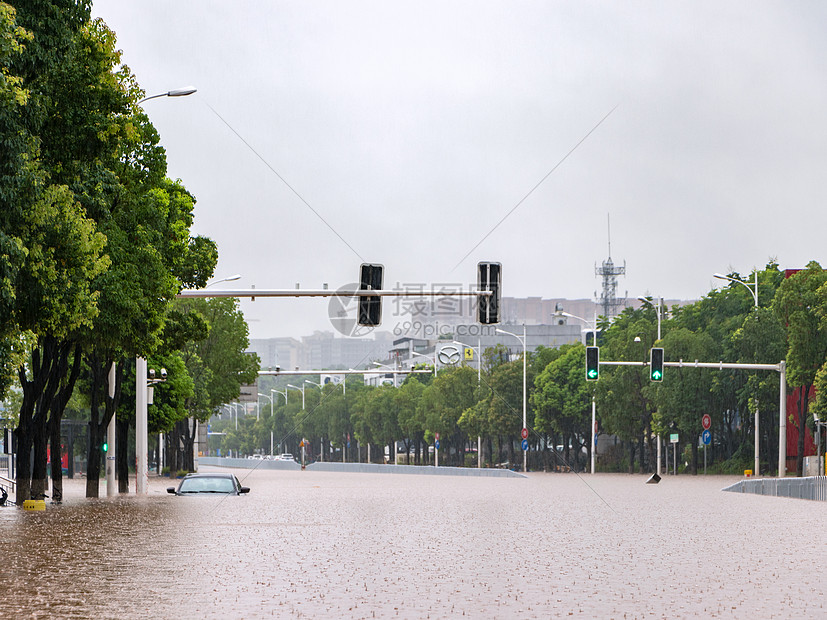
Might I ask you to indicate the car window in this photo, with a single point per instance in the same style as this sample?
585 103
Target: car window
207 485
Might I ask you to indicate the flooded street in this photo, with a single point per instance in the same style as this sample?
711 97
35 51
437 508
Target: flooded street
315 544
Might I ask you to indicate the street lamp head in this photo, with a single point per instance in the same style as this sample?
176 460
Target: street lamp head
182 92
227 279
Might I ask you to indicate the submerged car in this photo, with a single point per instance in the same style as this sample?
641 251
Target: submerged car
220 484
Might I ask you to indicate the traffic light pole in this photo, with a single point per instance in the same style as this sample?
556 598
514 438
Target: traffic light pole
780 368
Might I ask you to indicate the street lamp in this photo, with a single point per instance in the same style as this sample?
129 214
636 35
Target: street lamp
141 404
648 300
300 389
478 352
178 92
594 403
321 439
754 293
525 355
227 279
391 368
270 396
284 393
586 322
427 357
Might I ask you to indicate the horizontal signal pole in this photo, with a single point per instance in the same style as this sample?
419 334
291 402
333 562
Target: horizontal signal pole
295 292
345 372
697 364
780 368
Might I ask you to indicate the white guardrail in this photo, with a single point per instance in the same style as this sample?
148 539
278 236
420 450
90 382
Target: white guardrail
812 488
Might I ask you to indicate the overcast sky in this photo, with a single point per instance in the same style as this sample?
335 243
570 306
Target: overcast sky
413 128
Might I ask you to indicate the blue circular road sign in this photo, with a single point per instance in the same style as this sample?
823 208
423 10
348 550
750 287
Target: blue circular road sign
525 444
706 436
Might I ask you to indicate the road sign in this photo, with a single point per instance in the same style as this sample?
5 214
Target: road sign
524 433
706 436
673 438
525 444
706 421
437 436
436 444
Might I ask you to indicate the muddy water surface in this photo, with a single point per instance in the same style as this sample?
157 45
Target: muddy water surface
305 544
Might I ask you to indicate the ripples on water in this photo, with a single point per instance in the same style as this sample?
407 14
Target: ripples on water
306 544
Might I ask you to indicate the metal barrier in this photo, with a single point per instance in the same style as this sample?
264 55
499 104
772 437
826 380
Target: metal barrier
8 485
812 488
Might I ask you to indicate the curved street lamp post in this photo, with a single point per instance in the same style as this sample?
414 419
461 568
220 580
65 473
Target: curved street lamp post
522 340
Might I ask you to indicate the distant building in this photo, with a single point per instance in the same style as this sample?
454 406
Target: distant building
320 351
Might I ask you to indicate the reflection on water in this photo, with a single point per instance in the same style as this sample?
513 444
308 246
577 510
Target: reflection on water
313 544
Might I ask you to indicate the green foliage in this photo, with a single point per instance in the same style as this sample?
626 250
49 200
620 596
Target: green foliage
215 340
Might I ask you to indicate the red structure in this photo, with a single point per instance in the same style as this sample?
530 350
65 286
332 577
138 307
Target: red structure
794 425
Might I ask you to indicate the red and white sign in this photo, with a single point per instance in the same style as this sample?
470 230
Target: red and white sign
706 421
524 433
437 436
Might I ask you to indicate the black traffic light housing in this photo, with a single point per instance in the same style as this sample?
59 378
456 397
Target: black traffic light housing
489 278
592 363
656 364
370 306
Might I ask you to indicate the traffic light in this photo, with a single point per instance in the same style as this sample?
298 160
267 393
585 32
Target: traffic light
370 306
489 278
592 363
105 447
656 364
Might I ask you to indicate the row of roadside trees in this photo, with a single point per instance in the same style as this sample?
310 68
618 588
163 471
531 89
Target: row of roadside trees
95 243
789 323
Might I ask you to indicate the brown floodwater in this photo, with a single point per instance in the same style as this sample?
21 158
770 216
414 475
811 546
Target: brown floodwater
316 544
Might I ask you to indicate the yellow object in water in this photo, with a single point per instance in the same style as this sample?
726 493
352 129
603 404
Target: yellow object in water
34 504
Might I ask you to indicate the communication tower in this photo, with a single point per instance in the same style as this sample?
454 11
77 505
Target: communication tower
609 300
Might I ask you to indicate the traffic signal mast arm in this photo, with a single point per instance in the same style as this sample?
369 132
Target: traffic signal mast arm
697 364
295 292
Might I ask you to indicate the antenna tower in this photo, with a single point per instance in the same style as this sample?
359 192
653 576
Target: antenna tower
609 272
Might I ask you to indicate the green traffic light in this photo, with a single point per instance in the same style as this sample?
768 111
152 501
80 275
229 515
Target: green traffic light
592 363
656 375
105 447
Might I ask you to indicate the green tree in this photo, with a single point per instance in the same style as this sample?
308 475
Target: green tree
562 401
212 336
795 306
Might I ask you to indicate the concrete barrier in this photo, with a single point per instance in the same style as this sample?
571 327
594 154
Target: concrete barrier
361 468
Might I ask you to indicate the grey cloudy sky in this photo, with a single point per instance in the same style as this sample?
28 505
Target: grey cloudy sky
412 128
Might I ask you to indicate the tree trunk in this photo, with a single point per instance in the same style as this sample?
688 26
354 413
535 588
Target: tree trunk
97 424
42 360
631 456
641 451
57 458
59 403
173 447
188 441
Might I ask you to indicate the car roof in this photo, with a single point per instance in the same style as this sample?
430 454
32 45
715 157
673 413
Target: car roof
210 475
